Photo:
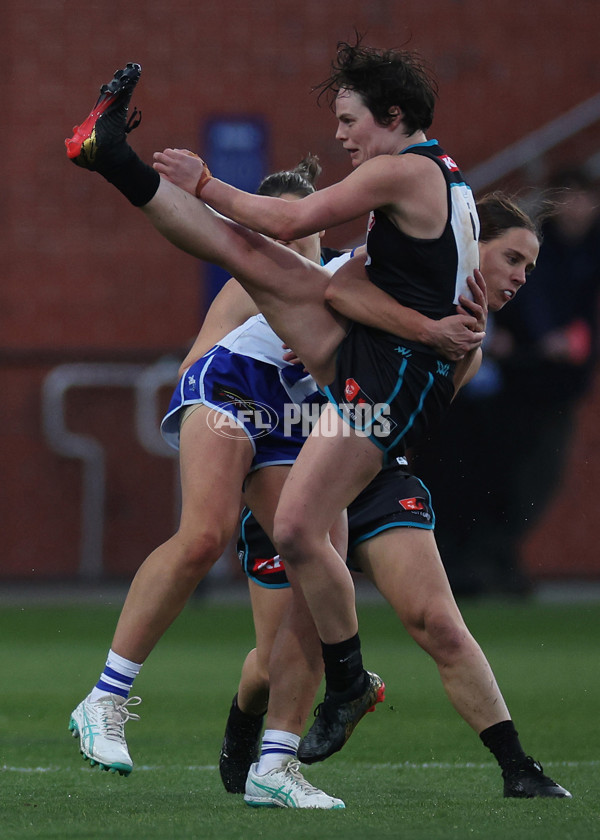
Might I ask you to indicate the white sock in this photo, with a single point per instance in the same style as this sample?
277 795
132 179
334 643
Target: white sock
117 677
277 748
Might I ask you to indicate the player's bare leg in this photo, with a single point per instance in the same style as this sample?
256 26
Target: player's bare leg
405 565
213 469
241 741
303 523
274 276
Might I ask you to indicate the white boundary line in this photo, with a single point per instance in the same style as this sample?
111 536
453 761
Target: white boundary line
211 768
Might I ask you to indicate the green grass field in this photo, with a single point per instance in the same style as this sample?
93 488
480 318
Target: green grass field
411 770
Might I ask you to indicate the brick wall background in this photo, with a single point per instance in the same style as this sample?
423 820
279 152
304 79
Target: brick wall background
86 279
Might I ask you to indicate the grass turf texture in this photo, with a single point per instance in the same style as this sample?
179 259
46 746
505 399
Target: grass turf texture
411 770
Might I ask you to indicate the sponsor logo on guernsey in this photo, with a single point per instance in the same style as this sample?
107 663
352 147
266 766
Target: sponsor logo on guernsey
443 368
447 161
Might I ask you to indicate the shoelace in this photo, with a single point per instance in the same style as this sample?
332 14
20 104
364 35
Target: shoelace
134 120
532 764
115 716
528 765
293 770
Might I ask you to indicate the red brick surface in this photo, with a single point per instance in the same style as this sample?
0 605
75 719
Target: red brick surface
85 277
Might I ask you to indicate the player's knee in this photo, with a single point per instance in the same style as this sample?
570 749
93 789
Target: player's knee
201 550
290 536
448 638
440 634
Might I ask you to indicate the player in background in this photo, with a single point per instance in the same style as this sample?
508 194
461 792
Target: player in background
391 541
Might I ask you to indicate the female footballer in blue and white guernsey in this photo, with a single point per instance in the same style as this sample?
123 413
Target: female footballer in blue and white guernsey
236 362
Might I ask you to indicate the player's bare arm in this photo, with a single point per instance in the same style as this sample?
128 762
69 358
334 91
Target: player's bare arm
383 182
352 294
230 308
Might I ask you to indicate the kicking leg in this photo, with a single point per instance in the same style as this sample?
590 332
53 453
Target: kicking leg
278 280
272 274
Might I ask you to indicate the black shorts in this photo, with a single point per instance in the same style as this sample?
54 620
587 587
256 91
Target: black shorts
257 554
394 499
392 392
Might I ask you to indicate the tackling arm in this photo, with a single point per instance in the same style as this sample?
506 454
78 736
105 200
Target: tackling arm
230 308
352 294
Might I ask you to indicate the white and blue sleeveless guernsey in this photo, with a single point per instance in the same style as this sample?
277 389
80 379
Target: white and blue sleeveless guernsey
246 383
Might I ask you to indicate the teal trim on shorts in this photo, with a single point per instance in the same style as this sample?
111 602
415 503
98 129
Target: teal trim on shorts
368 536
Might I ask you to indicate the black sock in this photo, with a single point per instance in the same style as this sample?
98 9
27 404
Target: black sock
502 740
239 717
135 179
343 666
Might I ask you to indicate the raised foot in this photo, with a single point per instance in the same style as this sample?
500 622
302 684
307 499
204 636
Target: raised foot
107 123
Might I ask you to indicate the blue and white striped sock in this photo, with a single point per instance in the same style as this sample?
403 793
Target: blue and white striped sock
276 750
117 677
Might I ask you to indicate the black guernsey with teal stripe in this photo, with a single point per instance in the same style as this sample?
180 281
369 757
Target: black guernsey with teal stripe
427 274
390 389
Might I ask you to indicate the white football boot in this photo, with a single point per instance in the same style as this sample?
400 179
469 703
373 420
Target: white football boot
286 787
100 726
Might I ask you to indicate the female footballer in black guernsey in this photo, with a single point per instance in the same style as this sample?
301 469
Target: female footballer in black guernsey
384 102
388 392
